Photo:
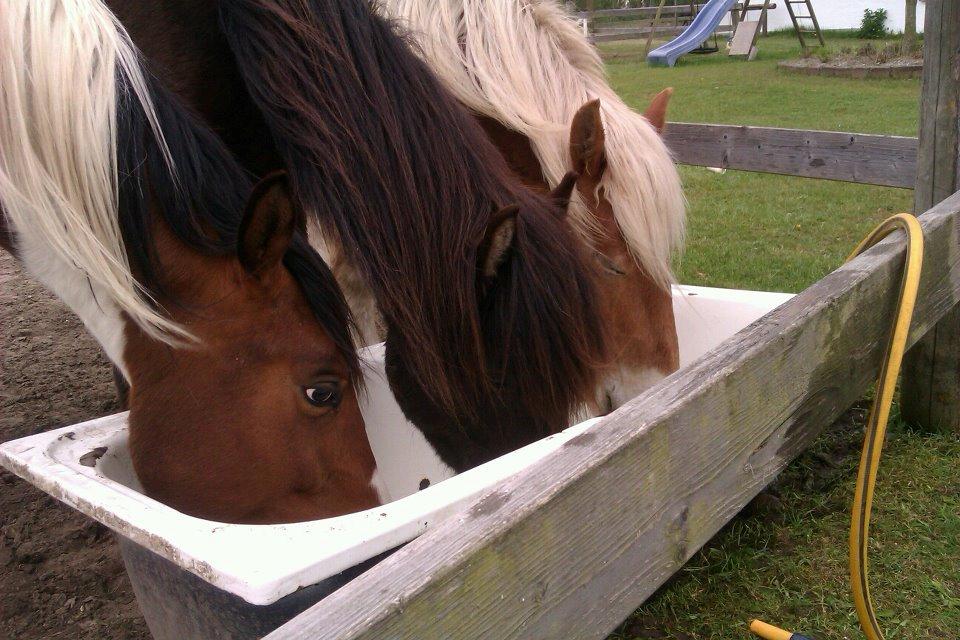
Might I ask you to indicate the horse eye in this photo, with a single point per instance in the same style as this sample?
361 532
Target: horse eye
609 265
325 394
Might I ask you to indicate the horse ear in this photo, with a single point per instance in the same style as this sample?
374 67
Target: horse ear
656 113
587 140
562 192
497 241
267 227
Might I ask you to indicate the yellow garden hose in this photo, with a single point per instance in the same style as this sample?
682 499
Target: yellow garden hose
876 426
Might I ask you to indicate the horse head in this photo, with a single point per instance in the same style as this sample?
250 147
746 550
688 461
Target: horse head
638 313
256 420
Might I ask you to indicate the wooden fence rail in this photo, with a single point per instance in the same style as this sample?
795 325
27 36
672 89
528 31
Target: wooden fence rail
647 12
617 35
569 547
635 12
829 155
610 32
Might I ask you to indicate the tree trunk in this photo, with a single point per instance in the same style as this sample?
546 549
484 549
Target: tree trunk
910 26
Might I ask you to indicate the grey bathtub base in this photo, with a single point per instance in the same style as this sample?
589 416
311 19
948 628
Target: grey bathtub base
178 605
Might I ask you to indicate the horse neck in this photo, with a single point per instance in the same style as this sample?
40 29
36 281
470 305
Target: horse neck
188 53
84 297
6 235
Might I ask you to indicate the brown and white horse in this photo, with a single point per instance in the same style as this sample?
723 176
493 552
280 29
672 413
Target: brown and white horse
493 331
540 93
490 305
201 289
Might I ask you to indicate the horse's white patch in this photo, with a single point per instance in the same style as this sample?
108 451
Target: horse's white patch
366 315
627 384
86 299
617 390
380 486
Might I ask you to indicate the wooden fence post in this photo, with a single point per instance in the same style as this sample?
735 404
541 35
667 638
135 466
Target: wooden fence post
930 392
910 26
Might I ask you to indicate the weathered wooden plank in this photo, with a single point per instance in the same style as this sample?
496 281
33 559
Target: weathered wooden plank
633 34
569 547
830 155
930 395
635 12
744 37
645 12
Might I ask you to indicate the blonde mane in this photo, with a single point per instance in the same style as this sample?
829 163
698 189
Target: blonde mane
526 64
58 147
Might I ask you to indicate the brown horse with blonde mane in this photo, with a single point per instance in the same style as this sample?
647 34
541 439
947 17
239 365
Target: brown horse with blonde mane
540 91
201 287
490 303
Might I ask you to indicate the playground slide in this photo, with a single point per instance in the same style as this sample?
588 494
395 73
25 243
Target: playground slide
699 30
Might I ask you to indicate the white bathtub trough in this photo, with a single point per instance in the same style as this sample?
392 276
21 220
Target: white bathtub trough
264 563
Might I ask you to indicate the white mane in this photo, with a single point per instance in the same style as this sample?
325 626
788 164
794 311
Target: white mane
59 61
526 64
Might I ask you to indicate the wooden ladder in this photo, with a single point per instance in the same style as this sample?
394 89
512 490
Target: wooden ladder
809 16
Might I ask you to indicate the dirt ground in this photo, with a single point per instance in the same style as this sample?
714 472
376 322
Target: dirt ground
61 575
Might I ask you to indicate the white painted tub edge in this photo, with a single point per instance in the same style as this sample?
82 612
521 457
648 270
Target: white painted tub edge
252 561
262 563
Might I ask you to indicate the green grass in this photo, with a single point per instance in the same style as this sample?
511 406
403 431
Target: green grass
785 559
762 231
775 233
719 89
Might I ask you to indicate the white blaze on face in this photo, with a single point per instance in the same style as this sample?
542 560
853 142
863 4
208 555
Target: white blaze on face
627 384
617 390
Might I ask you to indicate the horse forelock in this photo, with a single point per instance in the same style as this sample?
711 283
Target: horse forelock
404 178
326 300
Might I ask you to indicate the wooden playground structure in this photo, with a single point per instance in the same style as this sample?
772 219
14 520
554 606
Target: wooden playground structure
748 20
746 32
570 547
662 20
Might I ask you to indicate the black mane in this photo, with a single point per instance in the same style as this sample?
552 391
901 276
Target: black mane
405 179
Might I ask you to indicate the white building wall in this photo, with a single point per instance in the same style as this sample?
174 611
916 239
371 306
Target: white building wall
845 14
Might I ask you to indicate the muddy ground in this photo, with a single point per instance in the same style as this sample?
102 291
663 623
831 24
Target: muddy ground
61 575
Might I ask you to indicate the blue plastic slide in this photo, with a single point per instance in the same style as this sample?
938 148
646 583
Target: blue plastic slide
699 30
